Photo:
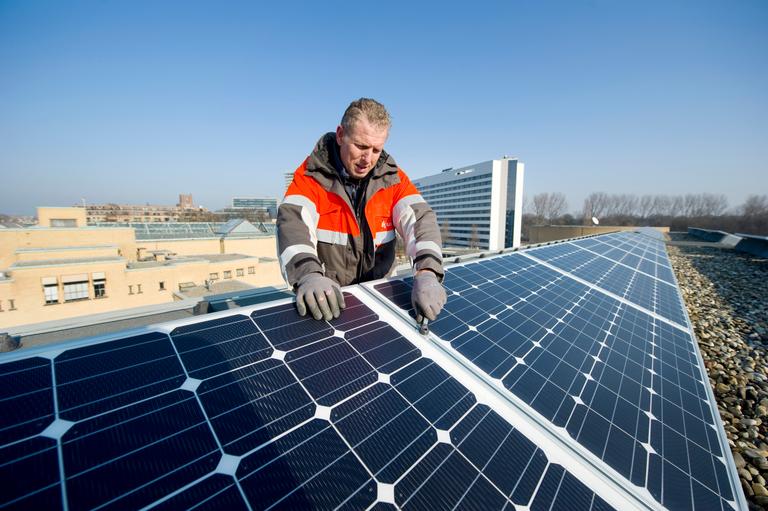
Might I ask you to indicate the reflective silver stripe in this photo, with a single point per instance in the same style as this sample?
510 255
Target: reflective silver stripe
403 206
405 221
335 237
431 246
300 200
308 214
383 237
290 252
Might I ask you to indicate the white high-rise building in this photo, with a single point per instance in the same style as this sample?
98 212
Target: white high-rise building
478 206
288 179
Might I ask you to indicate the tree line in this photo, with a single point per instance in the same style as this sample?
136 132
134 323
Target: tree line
678 212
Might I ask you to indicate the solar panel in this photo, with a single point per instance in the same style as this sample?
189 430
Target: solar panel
257 408
601 354
639 274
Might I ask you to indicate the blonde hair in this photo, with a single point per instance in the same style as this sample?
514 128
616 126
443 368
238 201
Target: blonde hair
370 109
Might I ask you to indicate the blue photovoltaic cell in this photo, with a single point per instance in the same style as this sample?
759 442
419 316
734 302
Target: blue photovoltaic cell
260 411
102 377
29 471
26 398
623 384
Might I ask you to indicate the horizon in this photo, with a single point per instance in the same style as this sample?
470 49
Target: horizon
136 103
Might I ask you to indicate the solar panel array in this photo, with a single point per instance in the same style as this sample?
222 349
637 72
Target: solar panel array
262 410
590 337
542 390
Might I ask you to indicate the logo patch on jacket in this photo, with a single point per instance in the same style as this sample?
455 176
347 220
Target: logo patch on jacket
386 225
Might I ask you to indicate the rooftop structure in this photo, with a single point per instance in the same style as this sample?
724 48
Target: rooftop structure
183 230
61 272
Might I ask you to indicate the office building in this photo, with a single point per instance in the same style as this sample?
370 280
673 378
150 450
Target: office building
100 213
477 206
265 204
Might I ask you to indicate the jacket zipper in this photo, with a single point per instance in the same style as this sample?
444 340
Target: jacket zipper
359 207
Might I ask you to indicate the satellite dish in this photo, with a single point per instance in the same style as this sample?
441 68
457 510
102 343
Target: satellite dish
595 220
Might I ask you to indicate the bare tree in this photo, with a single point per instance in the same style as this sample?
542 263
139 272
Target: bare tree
474 237
595 205
662 204
714 204
557 206
645 206
445 232
676 206
754 206
539 206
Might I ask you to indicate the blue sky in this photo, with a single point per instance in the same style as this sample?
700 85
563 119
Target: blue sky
139 101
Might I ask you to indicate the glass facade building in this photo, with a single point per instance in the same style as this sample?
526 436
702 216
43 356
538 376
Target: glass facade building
268 204
477 206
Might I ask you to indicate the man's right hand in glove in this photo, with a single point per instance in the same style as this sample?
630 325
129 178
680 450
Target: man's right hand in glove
321 295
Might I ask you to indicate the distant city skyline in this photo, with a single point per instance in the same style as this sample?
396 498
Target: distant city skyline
136 102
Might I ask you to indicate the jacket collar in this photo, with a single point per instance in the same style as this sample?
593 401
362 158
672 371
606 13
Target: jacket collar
324 161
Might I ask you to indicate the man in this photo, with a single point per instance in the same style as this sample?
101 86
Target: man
336 225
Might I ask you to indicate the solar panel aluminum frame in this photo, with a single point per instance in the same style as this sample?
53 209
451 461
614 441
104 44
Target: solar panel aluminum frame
608 475
602 486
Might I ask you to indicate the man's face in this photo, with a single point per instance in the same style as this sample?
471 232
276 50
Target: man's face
361 147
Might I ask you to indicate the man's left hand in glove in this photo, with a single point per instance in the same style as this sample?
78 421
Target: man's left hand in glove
428 295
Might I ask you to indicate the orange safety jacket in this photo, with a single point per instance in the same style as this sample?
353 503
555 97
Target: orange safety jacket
319 230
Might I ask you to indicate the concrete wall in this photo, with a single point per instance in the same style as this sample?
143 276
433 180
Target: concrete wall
13 239
42 254
545 233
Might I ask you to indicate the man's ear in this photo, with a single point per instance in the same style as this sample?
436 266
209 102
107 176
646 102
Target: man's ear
339 134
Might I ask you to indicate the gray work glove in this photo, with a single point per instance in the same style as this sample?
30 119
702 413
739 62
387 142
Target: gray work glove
428 296
321 295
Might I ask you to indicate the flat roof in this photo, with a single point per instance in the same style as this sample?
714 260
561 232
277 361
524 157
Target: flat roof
211 258
63 262
57 249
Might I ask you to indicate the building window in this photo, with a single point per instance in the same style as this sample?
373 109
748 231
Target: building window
75 291
251 270
227 274
63 222
12 305
138 289
130 290
162 285
213 276
240 272
99 288
51 292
